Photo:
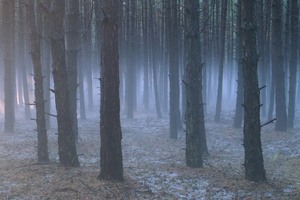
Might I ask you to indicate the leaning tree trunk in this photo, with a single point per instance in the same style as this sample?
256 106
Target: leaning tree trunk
8 40
254 164
66 138
110 126
35 46
277 62
293 62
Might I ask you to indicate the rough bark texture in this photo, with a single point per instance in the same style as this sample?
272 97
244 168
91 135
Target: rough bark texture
66 138
111 160
293 62
34 37
72 37
9 78
277 62
254 167
194 118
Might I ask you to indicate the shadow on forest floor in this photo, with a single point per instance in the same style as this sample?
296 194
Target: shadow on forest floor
154 165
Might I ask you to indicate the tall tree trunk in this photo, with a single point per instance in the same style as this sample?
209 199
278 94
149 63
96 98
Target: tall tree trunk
87 21
66 138
130 65
35 47
254 165
22 61
238 116
267 58
72 37
8 18
221 66
46 64
195 129
173 69
110 126
260 47
46 55
293 62
145 55
154 60
277 63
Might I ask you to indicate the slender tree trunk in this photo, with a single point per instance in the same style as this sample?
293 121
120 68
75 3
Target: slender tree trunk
267 57
238 116
145 55
254 164
35 46
87 7
154 60
260 47
22 62
46 64
173 70
130 62
221 66
293 62
277 62
110 126
8 10
66 138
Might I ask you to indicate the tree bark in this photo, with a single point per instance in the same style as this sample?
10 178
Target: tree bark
254 167
173 69
194 106
277 62
72 37
110 126
35 47
66 139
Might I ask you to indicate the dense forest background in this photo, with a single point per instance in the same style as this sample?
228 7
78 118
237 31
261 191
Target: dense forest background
187 66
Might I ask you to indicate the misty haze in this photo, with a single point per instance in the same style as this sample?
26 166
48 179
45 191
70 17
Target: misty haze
149 99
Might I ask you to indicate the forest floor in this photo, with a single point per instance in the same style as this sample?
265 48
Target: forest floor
154 165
